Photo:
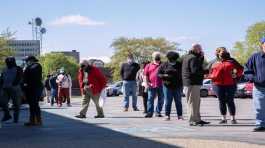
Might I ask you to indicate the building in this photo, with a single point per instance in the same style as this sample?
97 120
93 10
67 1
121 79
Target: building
73 53
22 48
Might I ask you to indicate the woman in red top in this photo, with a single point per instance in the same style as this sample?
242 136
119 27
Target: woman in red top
225 72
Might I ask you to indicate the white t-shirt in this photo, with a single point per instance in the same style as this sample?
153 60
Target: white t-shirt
63 81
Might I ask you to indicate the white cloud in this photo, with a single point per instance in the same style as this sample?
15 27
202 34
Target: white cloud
76 20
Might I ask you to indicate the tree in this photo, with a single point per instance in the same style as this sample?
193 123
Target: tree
53 61
141 49
243 50
5 50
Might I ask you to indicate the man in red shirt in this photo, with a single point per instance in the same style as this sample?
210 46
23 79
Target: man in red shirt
91 82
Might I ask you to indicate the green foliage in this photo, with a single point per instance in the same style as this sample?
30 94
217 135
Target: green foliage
243 50
53 61
141 49
4 51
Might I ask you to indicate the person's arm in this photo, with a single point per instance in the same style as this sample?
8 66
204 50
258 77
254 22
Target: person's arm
249 70
18 78
161 72
122 71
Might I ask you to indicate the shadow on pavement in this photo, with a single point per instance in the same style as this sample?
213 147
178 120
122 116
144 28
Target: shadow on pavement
61 132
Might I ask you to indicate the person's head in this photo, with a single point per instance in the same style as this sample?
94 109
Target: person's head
156 56
10 62
196 48
172 56
262 41
62 71
31 59
84 64
48 76
222 53
143 64
130 58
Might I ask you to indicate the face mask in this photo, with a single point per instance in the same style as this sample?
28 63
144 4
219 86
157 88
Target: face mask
157 58
225 55
130 60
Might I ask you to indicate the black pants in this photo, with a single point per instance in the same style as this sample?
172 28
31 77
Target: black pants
145 98
226 96
33 97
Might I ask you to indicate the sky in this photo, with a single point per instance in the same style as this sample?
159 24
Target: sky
90 26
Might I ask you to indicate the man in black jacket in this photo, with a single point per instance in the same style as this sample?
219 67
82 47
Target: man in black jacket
192 76
33 89
128 74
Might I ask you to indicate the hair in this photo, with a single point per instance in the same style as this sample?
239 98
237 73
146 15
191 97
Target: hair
172 55
155 54
218 50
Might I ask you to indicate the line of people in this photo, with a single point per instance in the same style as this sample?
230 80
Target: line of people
167 80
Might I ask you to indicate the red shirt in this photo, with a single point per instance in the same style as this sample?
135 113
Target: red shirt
95 78
151 72
225 72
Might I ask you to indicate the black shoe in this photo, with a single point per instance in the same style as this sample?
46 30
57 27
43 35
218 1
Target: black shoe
99 116
159 115
6 118
223 122
202 123
80 116
233 122
148 116
259 129
136 109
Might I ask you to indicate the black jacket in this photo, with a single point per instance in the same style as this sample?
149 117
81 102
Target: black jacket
192 69
128 71
173 78
33 76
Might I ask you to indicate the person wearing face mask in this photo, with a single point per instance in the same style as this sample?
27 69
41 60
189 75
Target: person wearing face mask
63 83
128 73
32 79
154 86
192 77
170 73
91 82
225 73
10 81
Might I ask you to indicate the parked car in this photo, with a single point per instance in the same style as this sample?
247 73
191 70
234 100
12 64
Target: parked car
207 88
244 90
114 89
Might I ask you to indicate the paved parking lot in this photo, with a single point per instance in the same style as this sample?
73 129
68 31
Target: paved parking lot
130 129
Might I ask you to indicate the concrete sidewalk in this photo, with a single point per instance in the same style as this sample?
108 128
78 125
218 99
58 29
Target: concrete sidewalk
130 129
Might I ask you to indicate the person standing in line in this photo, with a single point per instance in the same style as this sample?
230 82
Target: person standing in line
225 73
70 86
192 77
91 82
141 85
255 72
47 88
154 86
54 89
32 78
170 73
128 74
10 82
64 84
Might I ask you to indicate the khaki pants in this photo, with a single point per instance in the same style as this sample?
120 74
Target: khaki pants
192 94
86 100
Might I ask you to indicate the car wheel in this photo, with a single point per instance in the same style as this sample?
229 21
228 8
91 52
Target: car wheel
204 93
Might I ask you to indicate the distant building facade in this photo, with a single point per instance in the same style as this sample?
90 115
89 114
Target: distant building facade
22 48
75 54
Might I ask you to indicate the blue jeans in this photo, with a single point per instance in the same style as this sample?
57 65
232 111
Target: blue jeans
130 90
259 104
171 94
152 92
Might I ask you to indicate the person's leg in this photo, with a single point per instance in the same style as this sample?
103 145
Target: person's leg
127 91
187 92
68 96
5 105
196 99
145 98
168 101
134 95
259 104
160 101
53 95
230 94
178 103
48 93
60 97
85 103
221 94
100 113
150 102
16 97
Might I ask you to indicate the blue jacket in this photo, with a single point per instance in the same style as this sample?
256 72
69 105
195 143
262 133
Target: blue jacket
255 69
